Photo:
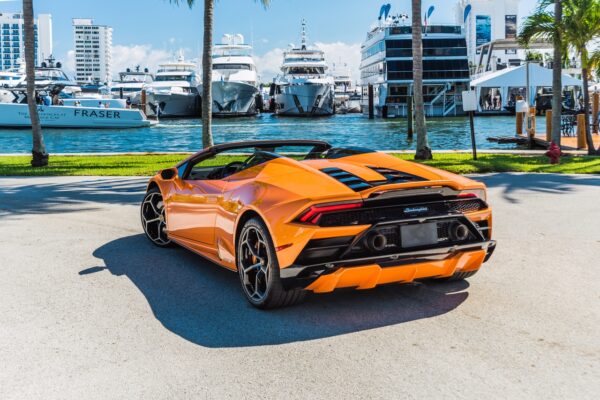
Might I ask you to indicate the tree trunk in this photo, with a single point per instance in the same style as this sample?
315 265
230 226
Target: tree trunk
40 157
557 77
207 139
423 150
586 103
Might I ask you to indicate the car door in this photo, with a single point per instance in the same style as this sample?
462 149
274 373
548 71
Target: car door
192 209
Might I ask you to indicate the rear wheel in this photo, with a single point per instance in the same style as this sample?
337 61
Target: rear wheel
259 270
154 218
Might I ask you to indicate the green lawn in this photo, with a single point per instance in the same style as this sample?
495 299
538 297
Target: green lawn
144 165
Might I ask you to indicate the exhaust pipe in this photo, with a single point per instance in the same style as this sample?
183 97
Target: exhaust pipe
459 232
376 241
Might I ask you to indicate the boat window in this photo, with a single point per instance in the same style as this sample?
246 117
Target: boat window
306 70
171 78
125 89
52 75
232 66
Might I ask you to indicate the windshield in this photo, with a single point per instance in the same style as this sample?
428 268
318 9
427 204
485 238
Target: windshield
50 75
171 78
306 70
232 66
134 78
125 89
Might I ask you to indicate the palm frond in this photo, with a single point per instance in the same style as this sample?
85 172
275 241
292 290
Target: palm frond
190 3
538 26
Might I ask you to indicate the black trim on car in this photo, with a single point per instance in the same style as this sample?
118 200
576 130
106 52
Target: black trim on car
301 276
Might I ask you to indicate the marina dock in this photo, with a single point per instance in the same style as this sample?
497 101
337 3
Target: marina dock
566 142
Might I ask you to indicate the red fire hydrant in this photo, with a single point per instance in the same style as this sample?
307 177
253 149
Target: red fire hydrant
554 153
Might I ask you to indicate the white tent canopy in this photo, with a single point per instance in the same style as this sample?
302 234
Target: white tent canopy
516 77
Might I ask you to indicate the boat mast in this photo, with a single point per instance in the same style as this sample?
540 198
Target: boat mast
303 34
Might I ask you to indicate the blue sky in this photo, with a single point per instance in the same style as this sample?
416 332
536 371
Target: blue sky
149 31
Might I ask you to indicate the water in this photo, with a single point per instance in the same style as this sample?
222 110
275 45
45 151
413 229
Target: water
339 130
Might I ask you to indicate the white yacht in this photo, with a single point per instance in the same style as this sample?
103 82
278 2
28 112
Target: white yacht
304 89
174 92
234 79
347 97
131 83
11 77
386 67
48 75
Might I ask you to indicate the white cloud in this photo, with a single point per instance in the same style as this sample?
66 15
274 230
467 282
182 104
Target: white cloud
336 52
343 55
69 65
144 55
269 64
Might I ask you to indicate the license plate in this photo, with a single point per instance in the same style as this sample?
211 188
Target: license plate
417 235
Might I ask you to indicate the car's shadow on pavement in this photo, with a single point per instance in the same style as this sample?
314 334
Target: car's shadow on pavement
203 303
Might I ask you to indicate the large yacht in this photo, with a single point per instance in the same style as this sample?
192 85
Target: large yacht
347 97
131 83
49 74
234 79
387 66
304 89
12 77
174 92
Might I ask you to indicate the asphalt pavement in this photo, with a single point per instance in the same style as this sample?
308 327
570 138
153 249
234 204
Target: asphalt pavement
90 309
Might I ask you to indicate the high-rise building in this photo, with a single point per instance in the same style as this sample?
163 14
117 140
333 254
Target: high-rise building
93 51
12 42
487 21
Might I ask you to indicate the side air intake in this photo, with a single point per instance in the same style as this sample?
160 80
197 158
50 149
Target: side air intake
352 181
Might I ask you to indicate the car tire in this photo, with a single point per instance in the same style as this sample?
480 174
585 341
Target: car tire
258 269
153 216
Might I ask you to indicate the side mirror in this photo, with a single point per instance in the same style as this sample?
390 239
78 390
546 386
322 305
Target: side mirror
168 174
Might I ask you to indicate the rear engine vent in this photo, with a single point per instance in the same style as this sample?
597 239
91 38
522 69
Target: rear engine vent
393 176
352 181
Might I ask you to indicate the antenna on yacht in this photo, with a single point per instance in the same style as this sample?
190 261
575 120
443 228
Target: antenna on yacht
252 39
303 34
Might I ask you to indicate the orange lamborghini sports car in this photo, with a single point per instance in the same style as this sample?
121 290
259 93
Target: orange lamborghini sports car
292 216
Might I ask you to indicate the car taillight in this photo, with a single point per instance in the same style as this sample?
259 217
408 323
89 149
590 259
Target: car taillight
313 214
473 193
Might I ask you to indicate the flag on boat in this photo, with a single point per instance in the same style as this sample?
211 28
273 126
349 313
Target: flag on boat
384 11
466 13
428 14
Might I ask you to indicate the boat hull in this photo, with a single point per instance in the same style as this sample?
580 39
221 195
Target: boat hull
17 116
308 99
174 105
233 99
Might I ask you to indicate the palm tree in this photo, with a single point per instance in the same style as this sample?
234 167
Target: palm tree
557 75
40 157
207 139
579 26
581 20
546 25
423 149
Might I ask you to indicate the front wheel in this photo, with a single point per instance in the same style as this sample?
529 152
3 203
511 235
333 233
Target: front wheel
154 218
259 270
